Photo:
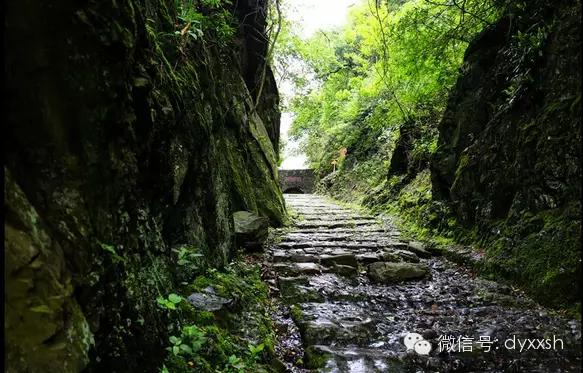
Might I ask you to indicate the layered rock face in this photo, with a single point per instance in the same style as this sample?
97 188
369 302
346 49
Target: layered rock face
124 141
510 136
510 145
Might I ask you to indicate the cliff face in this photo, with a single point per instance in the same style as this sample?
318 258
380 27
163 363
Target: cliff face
124 140
509 156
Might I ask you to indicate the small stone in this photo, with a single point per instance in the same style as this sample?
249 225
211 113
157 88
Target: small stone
208 302
407 256
309 268
388 272
419 249
343 259
302 258
291 269
344 270
429 334
368 258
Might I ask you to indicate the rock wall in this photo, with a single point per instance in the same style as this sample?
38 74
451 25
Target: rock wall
124 140
509 149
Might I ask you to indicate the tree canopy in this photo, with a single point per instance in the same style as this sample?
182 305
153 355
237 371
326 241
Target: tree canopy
391 64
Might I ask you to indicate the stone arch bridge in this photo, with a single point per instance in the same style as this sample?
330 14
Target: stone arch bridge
297 181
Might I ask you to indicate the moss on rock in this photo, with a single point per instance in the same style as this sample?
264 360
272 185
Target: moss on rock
130 140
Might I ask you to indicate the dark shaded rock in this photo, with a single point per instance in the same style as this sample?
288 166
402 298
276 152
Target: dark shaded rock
407 256
250 229
361 359
285 282
126 147
368 258
419 249
508 154
429 334
389 272
278 366
299 256
44 325
322 330
296 290
208 301
341 259
344 270
399 256
293 269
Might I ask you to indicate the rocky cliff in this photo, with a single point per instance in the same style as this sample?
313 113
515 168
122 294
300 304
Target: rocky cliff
509 149
133 128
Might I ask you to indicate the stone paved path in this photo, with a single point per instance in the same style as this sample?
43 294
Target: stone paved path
350 290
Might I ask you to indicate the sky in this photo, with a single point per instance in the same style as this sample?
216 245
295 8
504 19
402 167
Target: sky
310 16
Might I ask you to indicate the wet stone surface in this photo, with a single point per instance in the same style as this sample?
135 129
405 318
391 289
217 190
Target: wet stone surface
335 314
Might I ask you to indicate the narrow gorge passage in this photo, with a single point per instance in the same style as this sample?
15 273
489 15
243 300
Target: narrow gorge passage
354 289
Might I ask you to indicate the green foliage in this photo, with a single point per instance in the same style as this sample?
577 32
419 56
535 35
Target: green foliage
381 83
216 19
189 343
188 256
388 66
525 249
111 250
204 341
170 302
525 51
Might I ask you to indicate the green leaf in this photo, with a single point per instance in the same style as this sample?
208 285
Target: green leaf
256 349
174 340
176 350
43 308
109 248
175 298
239 365
196 345
186 348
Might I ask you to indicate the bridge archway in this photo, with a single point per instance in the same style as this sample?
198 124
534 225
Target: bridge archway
293 190
297 181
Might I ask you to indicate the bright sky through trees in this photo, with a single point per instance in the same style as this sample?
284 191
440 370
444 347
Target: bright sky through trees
309 16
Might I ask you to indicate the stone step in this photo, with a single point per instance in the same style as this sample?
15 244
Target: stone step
353 359
314 205
359 245
324 217
335 224
352 230
353 326
320 237
310 289
297 256
363 256
321 209
299 268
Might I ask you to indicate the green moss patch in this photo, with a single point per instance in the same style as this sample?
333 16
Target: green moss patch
236 338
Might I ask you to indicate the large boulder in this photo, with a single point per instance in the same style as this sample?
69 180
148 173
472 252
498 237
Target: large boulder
45 328
250 229
389 272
